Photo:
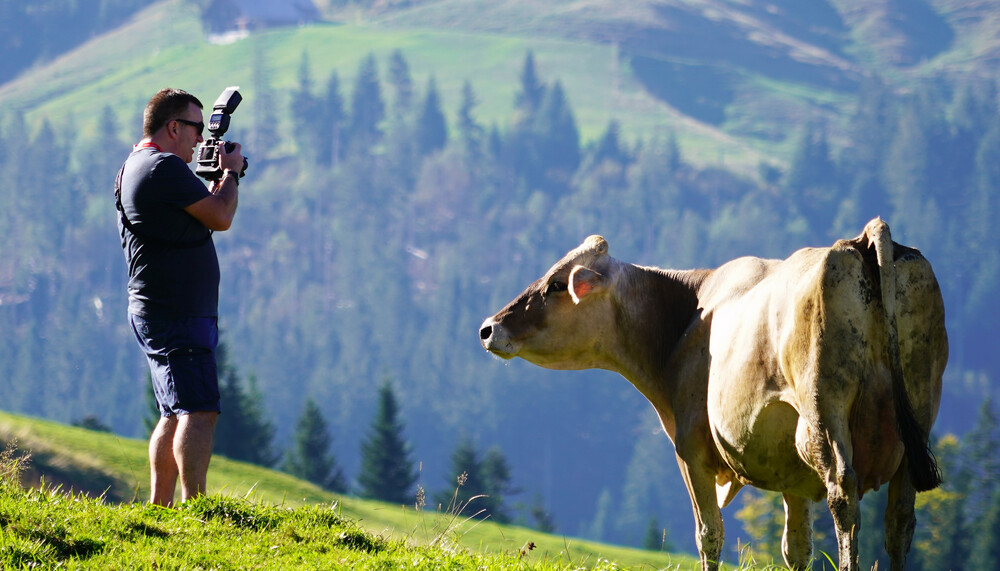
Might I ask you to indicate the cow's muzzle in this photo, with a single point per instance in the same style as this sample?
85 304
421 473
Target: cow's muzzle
495 339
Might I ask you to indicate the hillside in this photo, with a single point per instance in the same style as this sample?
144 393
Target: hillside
74 460
730 77
748 70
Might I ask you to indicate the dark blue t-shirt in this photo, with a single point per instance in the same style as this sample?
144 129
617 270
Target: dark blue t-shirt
167 278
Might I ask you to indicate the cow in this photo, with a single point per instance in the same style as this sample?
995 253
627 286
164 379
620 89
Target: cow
815 376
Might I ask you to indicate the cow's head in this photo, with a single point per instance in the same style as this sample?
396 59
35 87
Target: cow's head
561 320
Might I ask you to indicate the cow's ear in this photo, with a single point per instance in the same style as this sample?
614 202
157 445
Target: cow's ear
583 282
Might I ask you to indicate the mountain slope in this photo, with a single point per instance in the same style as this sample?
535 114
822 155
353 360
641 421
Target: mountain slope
734 79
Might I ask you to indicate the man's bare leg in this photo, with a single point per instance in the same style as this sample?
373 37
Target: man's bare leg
193 451
162 466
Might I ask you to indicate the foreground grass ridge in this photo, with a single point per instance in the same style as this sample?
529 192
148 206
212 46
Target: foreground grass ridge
48 528
71 459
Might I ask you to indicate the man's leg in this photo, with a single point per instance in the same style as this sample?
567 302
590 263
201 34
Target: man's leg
193 451
163 468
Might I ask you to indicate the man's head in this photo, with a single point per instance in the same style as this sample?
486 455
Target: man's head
173 120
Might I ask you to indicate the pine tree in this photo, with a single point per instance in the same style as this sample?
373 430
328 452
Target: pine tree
242 432
432 131
332 139
528 99
979 470
264 138
402 84
811 181
486 479
387 472
558 138
307 114
309 457
496 474
543 520
470 132
656 537
466 470
906 177
367 106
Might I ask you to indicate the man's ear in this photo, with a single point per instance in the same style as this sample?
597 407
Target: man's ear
583 282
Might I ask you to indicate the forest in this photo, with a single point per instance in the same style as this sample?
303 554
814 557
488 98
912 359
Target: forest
374 237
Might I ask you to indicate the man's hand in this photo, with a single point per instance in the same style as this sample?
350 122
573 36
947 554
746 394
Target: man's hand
232 160
216 211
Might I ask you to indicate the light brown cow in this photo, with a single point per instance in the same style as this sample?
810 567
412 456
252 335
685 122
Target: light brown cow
815 376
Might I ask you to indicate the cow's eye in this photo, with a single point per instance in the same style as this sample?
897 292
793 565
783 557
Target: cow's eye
555 287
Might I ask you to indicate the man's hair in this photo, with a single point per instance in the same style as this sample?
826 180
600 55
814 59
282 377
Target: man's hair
167 104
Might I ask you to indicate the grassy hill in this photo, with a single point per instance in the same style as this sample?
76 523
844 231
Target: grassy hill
165 45
734 80
82 462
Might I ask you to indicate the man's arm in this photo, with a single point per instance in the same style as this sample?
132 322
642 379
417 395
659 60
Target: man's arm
216 211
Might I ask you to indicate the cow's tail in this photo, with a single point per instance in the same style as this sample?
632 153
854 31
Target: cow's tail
922 466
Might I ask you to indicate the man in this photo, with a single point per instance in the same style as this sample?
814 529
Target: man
166 219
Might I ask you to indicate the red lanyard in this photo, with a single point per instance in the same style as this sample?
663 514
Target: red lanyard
147 144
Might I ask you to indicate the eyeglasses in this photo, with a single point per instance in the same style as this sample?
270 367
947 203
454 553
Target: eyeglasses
200 125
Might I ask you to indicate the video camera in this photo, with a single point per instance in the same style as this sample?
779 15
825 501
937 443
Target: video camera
208 154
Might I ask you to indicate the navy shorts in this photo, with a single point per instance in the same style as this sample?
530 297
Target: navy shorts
181 355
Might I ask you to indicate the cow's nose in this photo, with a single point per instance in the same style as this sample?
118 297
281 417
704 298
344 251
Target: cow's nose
486 332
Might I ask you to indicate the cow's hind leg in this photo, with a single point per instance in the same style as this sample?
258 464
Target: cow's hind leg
796 542
899 518
829 452
842 498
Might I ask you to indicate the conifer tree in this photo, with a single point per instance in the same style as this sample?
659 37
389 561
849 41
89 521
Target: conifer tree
432 130
242 432
558 138
486 479
656 537
528 99
541 517
332 141
466 471
387 472
811 181
470 132
977 476
264 137
367 106
307 114
309 457
402 84
497 477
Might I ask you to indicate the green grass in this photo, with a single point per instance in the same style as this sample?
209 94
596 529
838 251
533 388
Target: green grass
252 517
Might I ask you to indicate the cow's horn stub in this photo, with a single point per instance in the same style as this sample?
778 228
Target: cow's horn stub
596 244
